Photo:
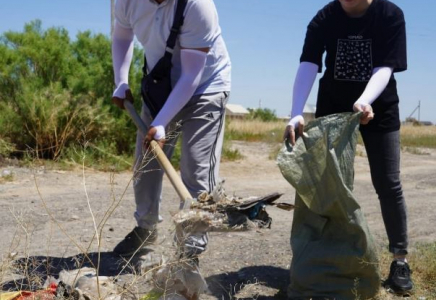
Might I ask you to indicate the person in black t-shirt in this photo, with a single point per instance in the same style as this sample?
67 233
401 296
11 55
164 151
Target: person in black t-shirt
365 43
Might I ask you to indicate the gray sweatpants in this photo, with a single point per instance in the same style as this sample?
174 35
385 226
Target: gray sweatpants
201 124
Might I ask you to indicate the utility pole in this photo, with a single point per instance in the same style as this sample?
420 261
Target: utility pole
418 108
112 16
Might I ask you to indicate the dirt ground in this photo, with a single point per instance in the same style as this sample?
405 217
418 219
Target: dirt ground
242 265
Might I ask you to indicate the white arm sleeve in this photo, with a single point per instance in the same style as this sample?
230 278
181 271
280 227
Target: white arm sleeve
122 53
193 62
304 80
376 85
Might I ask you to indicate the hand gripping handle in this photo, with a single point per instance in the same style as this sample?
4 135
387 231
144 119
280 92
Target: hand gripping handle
174 178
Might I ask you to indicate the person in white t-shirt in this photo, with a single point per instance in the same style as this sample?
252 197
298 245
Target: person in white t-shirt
201 86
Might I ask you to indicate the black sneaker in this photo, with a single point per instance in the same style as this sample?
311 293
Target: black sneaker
399 280
136 239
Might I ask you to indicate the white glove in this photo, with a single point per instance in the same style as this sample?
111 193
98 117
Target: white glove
295 121
160 132
120 91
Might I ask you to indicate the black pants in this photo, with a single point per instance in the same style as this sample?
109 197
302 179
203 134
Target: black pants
383 150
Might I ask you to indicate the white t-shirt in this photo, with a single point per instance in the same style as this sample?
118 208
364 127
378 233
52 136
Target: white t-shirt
151 23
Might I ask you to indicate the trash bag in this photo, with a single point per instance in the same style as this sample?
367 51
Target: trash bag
333 251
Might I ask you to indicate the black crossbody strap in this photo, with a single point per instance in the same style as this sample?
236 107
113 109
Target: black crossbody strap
175 29
177 24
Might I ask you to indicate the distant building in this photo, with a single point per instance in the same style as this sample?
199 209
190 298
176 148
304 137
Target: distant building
308 113
415 122
236 111
426 123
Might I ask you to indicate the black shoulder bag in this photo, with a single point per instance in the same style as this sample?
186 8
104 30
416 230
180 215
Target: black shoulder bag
156 85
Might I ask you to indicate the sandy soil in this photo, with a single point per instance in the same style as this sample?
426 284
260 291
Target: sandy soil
246 265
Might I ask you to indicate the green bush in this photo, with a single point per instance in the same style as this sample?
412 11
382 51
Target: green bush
263 114
55 93
230 154
51 118
6 148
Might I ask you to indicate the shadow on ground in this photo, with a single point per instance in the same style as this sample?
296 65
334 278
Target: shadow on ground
264 282
31 272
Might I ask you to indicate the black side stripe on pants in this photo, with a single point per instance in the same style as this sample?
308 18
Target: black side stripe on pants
212 160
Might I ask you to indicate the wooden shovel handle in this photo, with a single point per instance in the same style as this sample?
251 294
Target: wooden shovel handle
175 180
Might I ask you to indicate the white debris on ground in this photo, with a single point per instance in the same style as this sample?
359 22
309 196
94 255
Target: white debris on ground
149 263
182 280
84 284
173 279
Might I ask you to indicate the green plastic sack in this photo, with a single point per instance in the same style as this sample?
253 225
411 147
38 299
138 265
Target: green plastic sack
333 252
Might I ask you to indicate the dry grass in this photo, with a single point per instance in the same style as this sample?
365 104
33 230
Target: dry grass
423 264
255 130
259 131
418 136
422 260
418 131
255 126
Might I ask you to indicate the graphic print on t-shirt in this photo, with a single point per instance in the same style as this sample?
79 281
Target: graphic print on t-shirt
353 60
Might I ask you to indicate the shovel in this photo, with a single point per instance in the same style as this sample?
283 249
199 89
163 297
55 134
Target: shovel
176 181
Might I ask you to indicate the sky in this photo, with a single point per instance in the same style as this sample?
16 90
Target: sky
264 39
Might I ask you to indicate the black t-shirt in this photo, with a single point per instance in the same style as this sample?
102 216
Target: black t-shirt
354 47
